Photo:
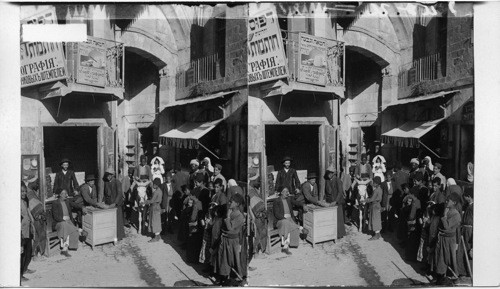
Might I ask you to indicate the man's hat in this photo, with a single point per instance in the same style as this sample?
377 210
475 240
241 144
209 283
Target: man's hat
331 169
64 161
415 161
194 162
286 159
110 171
311 176
90 177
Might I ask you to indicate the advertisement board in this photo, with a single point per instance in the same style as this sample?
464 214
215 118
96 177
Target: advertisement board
41 62
266 53
313 58
91 65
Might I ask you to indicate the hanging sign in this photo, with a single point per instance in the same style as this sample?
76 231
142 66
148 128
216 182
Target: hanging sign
91 65
266 53
41 62
312 61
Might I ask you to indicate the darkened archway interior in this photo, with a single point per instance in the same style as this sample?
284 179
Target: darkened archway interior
77 143
300 142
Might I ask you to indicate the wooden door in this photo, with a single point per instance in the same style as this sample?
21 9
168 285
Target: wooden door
107 154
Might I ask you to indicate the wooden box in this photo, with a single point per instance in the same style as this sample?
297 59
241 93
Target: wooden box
322 224
100 224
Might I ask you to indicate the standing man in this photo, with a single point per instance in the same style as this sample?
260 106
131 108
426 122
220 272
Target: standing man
258 214
202 193
287 177
143 170
334 193
154 211
414 164
27 231
218 175
113 197
194 164
65 179
438 174
374 209
167 193
180 178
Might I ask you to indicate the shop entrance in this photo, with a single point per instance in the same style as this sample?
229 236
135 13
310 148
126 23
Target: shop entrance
77 143
300 142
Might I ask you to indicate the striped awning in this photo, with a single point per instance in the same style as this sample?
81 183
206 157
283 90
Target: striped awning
188 134
409 134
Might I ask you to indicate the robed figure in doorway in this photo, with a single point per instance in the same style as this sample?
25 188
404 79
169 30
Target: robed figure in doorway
113 197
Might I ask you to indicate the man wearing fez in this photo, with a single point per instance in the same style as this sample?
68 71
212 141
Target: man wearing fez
113 197
288 178
66 179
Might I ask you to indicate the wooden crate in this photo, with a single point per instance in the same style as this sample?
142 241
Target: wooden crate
322 224
100 226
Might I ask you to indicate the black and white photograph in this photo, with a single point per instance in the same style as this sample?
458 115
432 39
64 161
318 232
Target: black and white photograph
250 144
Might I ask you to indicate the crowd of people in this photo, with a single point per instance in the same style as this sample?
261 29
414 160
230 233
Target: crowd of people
207 213
430 215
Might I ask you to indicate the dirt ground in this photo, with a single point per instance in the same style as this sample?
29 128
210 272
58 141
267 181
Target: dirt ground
132 262
350 261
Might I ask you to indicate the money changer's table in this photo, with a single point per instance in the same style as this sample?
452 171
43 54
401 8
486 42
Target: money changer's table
100 224
321 223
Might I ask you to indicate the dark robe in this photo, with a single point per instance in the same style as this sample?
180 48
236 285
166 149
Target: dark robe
289 180
447 240
66 181
467 225
333 193
230 247
114 195
179 179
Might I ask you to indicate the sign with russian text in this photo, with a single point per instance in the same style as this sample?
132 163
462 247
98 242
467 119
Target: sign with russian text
266 54
91 67
41 62
312 61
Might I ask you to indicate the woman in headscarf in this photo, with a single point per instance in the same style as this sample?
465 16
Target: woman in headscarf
379 167
208 166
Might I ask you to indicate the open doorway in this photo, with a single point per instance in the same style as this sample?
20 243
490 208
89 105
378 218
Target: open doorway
300 142
77 143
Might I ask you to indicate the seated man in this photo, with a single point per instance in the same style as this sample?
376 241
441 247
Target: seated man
67 232
285 221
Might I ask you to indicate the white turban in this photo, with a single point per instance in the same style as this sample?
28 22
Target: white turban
415 161
431 166
231 183
209 164
194 162
450 182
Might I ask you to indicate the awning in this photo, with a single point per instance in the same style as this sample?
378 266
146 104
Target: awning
200 98
421 98
321 92
409 134
187 135
60 89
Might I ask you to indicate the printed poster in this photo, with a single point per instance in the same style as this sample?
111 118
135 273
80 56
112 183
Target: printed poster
266 53
313 57
41 62
91 62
